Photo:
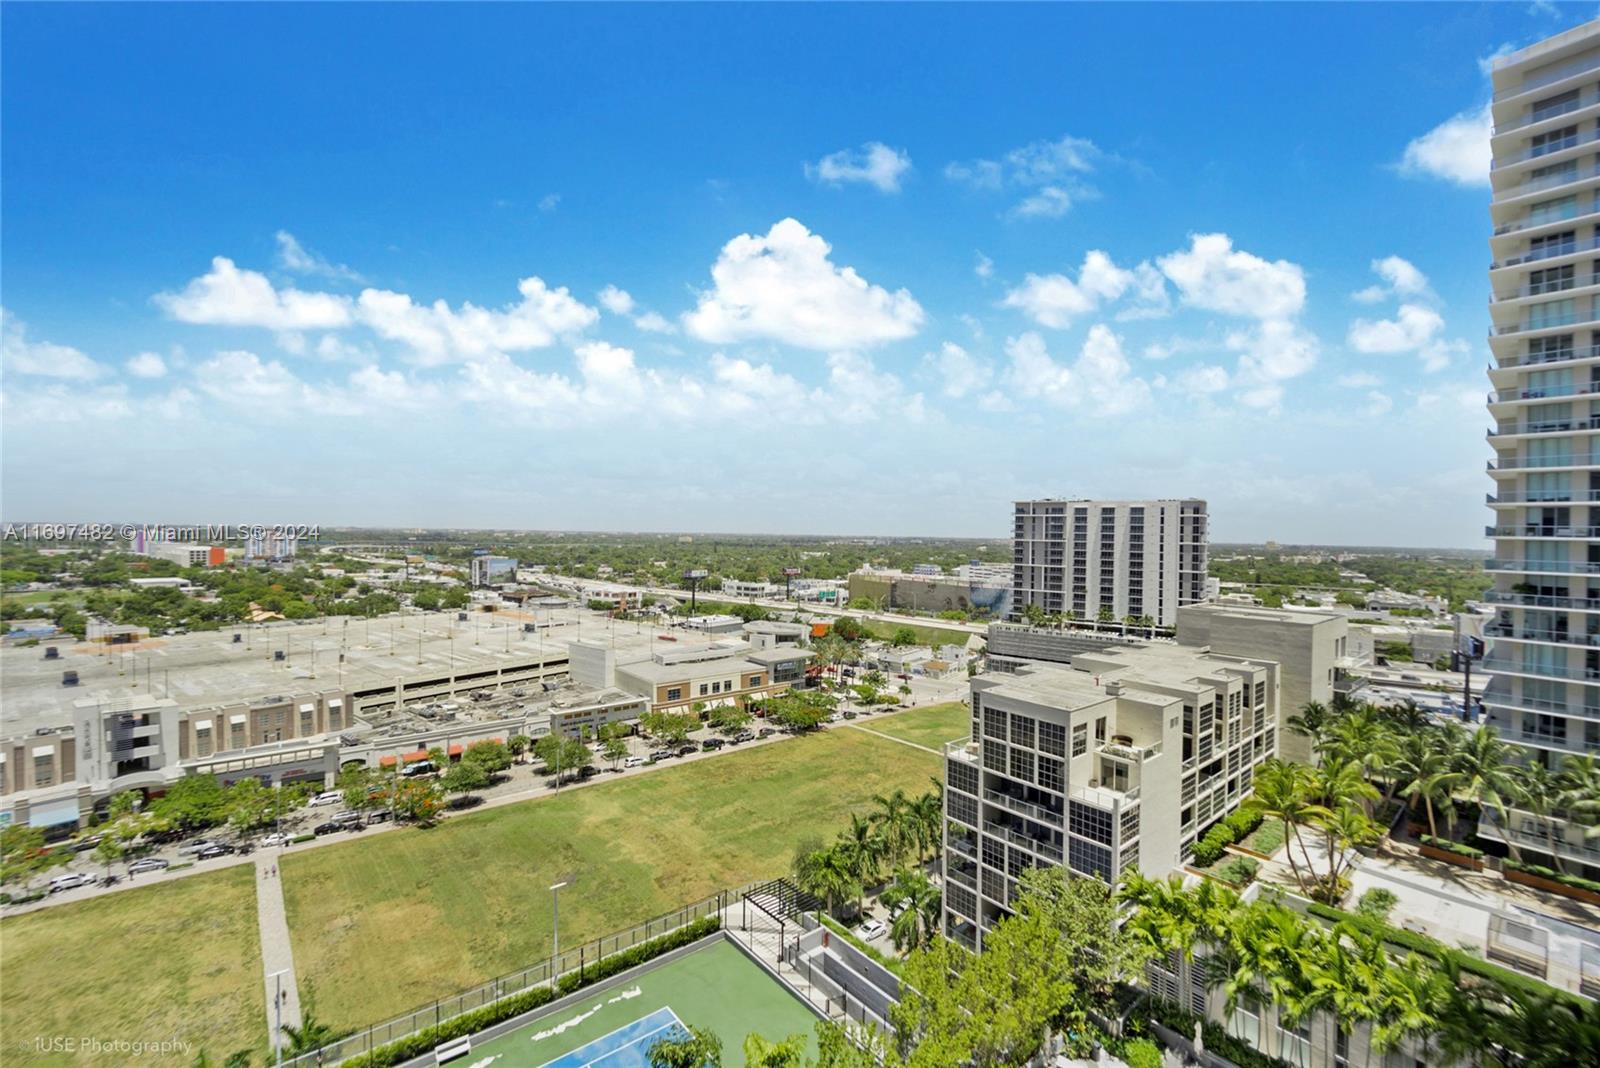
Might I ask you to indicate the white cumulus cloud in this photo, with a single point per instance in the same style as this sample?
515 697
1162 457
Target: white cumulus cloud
293 256
439 334
1456 150
782 286
873 164
229 296
1051 174
44 359
1100 381
147 365
1054 300
1213 275
1400 279
959 372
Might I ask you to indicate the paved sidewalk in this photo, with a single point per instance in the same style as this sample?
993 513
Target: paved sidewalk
891 738
276 954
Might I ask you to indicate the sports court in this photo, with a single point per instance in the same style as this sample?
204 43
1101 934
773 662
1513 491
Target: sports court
716 988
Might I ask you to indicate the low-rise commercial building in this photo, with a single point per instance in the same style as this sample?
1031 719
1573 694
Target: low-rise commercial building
772 633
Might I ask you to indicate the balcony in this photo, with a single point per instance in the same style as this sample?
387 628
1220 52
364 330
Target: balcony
964 751
1549 148
1535 530
1568 497
1041 813
1549 181
1579 216
1500 665
1578 103
1540 704
1579 317
1508 396
1530 634
1534 600
962 877
1524 463
1549 426
1547 252
1545 289
1125 750
1041 846
964 847
1548 78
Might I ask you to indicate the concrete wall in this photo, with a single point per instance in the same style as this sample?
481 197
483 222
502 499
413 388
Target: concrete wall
593 665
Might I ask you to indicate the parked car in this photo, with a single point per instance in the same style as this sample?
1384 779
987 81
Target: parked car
276 838
420 768
588 771
346 818
767 732
139 867
634 762
662 754
327 797
849 715
218 849
685 750
712 744
83 845
198 845
69 882
871 929
379 815
744 736
327 828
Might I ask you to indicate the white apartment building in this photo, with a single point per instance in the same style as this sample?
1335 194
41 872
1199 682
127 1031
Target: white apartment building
1120 758
1131 558
1544 275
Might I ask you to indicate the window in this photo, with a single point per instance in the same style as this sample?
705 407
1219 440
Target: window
703 689
44 769
1090 822
1245 1024
1295 1043
202 743
1021 764
994 723
964 809
1100 729
1053 739
994 755
1022 730
962 776
755 680
1080 739
1089 859
307 725
1050 773
675 694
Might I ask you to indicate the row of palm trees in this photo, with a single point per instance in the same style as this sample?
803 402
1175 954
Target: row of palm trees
1262 951
1437 768
901 829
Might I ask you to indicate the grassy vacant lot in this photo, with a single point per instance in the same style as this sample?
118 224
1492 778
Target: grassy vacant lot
930 727
177 960
385 925
883 630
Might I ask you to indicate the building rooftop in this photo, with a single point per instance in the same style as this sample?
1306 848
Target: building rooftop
1303 617
208 669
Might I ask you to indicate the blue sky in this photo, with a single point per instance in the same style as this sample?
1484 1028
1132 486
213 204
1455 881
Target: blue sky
808 269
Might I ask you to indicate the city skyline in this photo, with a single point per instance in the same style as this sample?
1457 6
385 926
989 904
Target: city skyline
545 335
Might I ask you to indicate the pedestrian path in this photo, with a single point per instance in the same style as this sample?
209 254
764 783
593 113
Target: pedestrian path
892 738
276 954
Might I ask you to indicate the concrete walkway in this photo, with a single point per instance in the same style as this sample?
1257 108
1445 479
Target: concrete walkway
892 738
276 954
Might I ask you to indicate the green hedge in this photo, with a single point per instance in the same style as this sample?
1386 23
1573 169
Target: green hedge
1216 1037
849 936
469 1023
1242 822
1140 1053
1550 873
1452 847
1429 947
1210 848
297 839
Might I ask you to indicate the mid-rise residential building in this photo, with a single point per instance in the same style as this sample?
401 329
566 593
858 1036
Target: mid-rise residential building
183 553
1121 757
1544 276
487 569
1108 559
271 545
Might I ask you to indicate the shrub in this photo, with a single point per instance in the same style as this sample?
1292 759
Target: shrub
1141 1053
1217 1039
1238 872
844 932
1211 847
1376 904
1267 838
1453 847
1543 872
1242 822
424 1041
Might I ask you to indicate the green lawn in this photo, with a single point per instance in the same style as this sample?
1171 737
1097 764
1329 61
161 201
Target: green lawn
717 988
884 630
45 597
930 727
384 925
179 960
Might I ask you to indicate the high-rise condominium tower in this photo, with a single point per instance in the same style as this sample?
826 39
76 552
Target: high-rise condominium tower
1545 418
1128 558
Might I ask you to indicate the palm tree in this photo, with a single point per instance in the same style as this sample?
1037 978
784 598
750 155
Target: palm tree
828 873
1312 720
864 847
893 820
1346 827
1426 769
1488 777
1538 792
927 820
1283 791
914 901
1340 781
1580 793
312 1034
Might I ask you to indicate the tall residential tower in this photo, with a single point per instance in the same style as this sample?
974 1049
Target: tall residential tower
1128 558
1544 281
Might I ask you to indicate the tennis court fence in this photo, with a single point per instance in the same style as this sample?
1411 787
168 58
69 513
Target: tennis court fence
539 973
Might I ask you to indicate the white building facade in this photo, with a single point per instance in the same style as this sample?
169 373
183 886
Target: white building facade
1544 275
1128 558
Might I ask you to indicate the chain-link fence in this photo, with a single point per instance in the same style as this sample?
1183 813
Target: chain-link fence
540 973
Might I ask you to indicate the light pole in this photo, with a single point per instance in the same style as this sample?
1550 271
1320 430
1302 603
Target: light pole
555 932
277 1008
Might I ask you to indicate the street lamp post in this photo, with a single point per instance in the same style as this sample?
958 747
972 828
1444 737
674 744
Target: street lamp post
555 932
277 1008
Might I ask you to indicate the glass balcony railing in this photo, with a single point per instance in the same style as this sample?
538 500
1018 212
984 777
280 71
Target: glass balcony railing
1544 567
1550 77
1523 463
1576 317
1503 396
1545 114
1541 634
1543 671
1538 530
1547 252
1541 289
1547 426
1542 600
1542 497
1566 176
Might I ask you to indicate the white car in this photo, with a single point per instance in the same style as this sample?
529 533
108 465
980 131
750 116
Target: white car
274 839
635 762
327 797
69 882
870 930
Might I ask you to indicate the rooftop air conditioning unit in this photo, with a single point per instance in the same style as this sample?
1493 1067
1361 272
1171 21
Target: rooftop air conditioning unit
52 653
277 654
69 678
237 638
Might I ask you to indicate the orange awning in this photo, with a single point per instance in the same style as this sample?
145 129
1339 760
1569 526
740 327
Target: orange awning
455 750
415 755
386 762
